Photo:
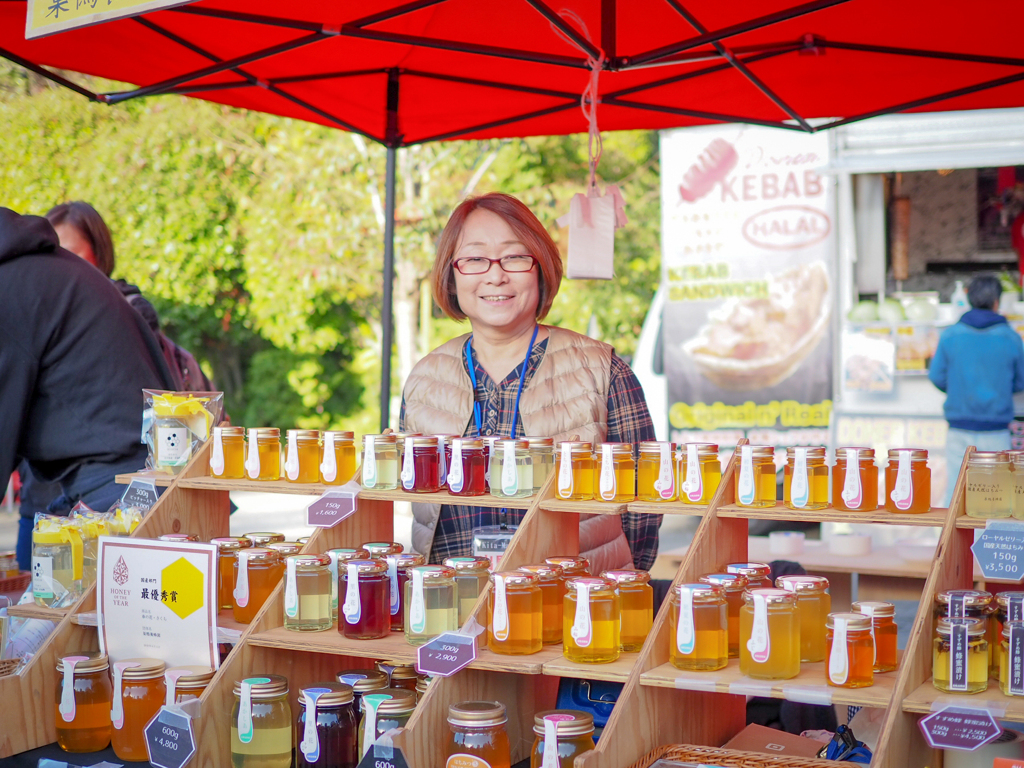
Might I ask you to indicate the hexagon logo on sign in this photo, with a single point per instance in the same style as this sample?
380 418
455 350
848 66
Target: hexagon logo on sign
181 587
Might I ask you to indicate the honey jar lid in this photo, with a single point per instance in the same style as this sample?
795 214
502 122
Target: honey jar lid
540 442
263 687
874 608
517 578
568 722
654 446
576 446
382 439
1003 598
1011 625
989 458
1017 457
856 622
285 548
802 583
544 572
627 576
342 436
469 563
85 661
516 442
397 670
773 596
305 434
405 560
813 451
331 694
468 443
309 561
145 668
434 572
703 449
231 543
344 554
477 714
916 454
303 540
259 538
862 453
179 537
620 448
402 435
382 548
229 431
571 564
369 566
422 683
266 433
196 676
260 555
975 627
401 701
971 597
701 590
363 680
758 570
445 439
420 441
731 582
758 451
490 440
595 583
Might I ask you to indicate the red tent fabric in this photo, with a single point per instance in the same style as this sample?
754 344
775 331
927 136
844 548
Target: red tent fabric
403 73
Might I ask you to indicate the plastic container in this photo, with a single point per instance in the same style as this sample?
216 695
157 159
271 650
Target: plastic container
699 622
227 453
591 621
515 614
699 473
263 454
261 723
83 701
57 561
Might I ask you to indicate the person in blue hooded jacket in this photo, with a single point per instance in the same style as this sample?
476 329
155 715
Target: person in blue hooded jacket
979 364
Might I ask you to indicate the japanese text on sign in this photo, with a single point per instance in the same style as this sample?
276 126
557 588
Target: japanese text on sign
956 728
999 550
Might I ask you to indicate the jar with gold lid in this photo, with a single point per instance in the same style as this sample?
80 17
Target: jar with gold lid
972 603
471 574
883 632
186 683
562 735
615 478
380 462
363 594
478 737
542 453
813 605
734 584
227 549
339 557
849 651
257 571
855 480
178 538
429 603
700 472
307 593
285 549
338 457
1017 465
83 701
420 470
656 471
262 538
990 486
384 711
960 656
139 692
511 469
759 575
227 454
326 733
571 565
755 477
362 681
575 481
552 588
805 480
467 471
699 627
261 723
263 454
636 606
1011 659
591 621
515 613
399 567
302 457
908 481
400 674
769 635
444 457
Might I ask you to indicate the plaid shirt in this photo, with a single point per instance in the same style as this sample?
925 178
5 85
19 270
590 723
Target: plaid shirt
628 422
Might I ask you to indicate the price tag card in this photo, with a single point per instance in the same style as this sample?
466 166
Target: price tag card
141 494
169 738
380 756
333 507
446 654
956 728
999 550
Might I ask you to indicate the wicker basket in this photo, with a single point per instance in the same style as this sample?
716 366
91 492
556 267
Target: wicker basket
7 666
732 758
16 583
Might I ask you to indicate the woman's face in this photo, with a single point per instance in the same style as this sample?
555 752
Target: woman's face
495 299
73 240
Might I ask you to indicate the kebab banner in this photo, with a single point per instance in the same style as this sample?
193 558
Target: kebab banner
748 255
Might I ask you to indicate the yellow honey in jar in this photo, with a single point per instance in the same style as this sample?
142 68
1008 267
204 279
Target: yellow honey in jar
855 480
656 472
700 472
769 635
302 459
636 606
734 584
850 651
813 604
699 622
960 656
338 457
755 479
908 481
515 614
590 621
263 454
227 453
805 480
552 588
575 481
616 473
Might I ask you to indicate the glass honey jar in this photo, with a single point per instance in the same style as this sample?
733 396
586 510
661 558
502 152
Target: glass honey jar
83 701
759 575
339 557
552 589
138 694
972 603
400 675
575 481
656 472
591 621
562 735
262 538
1009 607
384 711
363 592
478 737
883 632
227 551
734 584
227 453
805 478
444 457
1011 659
850 651
542 453
571 565
960 656
990 486
468 468
515 614
380 462
471 575
700 472
327 732
422 683
302 456
813 604
699 622
338 457
257 571
285 549
1017 465
178 538
399 565
186 683
420 470
430 606
755 480
362 681
908 481
636 606
307 593
261 723
615 478
769 635
263 454
855 480
511 469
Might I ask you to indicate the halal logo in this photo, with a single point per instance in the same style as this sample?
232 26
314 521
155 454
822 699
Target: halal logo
121 572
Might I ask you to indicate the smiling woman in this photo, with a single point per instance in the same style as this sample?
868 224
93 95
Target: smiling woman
498 267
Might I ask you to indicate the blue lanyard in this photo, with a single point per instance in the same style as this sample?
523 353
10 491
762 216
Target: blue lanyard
477 415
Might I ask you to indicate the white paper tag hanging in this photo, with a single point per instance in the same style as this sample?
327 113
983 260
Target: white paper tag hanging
217 454
291 464
746 490
352 609
799 487
685 634
592 221
455 478
582 626
291 589
509 471
693 485
500 620
903 492
760 644
369 462
665 485
417 609
839 660
853 490
329 465
252 456
565 481
67 693
607 486
408 466
241 592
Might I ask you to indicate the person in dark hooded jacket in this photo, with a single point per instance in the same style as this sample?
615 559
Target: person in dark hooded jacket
74 358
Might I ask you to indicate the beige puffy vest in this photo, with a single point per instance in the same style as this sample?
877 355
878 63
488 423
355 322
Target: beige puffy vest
568 395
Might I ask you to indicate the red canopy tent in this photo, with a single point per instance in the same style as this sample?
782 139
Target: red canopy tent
430 70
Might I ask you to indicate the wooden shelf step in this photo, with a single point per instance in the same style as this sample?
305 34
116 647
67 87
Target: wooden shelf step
925 695
33 611
160 481
935 518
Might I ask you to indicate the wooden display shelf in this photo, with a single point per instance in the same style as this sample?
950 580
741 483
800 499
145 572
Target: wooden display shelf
33 611
921 701
159 480
965 521
808 687
617 671
584 507
443 497
935 518
668 508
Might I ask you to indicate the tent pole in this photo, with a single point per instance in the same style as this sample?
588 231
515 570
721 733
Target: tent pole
387 316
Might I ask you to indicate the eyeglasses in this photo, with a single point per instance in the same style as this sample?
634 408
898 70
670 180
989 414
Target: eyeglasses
478 265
